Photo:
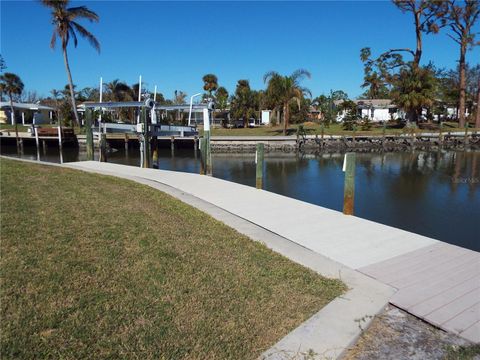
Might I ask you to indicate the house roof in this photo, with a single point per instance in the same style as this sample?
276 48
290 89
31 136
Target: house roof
375 103
369 103
25 106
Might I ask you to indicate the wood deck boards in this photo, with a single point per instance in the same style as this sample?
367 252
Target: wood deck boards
439 284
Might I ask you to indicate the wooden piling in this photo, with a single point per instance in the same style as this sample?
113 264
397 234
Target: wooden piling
146 140
259 156
202 155
37 142
349 189
155 163
89 133
60 141
103 147
208 154
126 142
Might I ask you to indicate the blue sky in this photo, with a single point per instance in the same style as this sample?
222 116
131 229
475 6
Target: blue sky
173 44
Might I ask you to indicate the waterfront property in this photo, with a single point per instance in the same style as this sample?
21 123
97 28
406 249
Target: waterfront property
374 109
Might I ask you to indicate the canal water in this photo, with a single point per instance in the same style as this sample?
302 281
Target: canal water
435 194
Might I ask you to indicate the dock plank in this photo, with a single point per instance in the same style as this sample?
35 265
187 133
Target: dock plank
422 298
436 271
464 320
449 311
472 333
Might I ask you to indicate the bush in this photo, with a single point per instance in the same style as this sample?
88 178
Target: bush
366 124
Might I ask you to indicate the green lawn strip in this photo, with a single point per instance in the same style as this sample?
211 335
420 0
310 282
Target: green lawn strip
98 267
333 129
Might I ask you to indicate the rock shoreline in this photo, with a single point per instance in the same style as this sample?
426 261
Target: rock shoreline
361 144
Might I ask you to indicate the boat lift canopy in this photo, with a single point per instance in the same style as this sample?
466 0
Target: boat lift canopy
138 104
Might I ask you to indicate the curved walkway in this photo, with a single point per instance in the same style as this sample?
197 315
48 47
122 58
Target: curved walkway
437 282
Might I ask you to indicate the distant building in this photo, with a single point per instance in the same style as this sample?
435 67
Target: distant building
25 113
375 109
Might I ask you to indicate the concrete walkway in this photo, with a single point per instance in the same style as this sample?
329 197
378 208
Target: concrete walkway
436 281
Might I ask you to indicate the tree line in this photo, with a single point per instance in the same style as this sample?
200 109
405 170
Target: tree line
395 74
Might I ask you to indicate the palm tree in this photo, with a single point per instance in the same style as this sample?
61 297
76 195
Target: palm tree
55 95
66 26
242 104
222 98
376 88
11 84
210 83
179 99
118 91
287 89
414 89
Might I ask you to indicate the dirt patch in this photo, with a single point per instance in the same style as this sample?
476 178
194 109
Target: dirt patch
398 335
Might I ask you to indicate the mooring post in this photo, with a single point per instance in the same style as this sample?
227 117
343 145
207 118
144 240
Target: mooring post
126 142
202 145
349 190
37 142
155 163
60 138
146 140
354 131
89 134
207 149
208 155
103 147
259 155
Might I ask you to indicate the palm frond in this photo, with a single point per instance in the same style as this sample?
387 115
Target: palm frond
270 75
53 40
74 36
300 74
305 91
83 12
87 35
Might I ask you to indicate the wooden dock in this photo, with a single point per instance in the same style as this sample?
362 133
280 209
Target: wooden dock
437 282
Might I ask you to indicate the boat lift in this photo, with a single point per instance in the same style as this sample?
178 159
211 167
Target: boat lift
147 124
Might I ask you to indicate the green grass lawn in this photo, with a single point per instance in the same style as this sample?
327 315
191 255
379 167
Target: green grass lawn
98 267
312 129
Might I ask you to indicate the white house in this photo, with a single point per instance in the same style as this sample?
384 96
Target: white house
375 109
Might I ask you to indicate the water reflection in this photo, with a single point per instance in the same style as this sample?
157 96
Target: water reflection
431 193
